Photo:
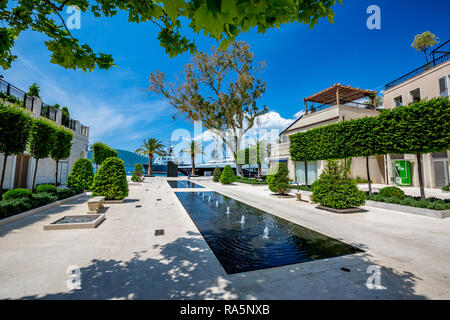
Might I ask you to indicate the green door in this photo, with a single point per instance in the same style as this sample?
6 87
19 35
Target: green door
403 173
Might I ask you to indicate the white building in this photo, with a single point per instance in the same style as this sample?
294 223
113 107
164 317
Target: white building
20 169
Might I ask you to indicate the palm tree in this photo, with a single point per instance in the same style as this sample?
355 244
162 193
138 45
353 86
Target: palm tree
150 148
193 149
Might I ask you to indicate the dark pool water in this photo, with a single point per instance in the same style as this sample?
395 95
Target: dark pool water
243 247
183 184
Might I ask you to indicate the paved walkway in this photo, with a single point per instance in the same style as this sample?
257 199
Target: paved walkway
123 259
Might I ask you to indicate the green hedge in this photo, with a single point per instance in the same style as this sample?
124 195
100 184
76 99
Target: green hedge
81 176
101 152
430 203
421 127
16 194
49 188
111 180
250 181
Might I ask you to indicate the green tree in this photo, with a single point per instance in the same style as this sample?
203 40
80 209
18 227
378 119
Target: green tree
193 149
221 91
335 189
216 174
150 148
258 155
34 90
221 20
138 173
62 145
81 176
227 176
424 41
111 180
41 142
101 152
15 126
279 181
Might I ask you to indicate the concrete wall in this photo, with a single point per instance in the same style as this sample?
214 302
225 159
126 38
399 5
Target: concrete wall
427 82
47 167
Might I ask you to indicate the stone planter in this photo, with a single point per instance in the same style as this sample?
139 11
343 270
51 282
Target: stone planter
93 222
113 201
341 211
407 209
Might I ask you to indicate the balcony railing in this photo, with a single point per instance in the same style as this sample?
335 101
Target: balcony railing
13 94
48 112
313 109
420 70
68 122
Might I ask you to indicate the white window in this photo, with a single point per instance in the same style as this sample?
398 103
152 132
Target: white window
398 101
443 87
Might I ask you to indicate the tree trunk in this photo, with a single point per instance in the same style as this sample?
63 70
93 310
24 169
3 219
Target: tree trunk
56 176
150 161
3 175
34 175
368 175
193 165
259 170
419 168
426 56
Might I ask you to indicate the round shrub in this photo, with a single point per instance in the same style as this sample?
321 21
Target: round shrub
138 173
446 188
279 182
227 176
46 188
81 176
65 193
336 190
43 198
111 180
14 206
17 194
216 174
390 192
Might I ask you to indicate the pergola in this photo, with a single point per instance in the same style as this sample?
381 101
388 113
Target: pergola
340 94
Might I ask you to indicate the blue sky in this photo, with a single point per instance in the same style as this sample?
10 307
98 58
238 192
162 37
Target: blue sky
300 62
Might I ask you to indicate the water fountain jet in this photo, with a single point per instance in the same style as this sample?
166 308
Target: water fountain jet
243 219
266 233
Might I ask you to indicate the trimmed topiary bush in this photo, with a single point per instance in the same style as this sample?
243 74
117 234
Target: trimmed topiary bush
392 192
138 173
279 182
335 190
14 206
81 176
49 188
65 193
111 180
16 194
216 174
43 198
227 176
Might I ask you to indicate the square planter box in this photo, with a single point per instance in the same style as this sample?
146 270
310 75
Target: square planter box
76 222
113 201
342 211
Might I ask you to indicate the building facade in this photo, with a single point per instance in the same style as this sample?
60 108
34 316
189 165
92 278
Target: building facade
20 169
337 103
429 81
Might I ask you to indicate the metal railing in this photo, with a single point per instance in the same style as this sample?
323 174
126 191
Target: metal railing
13 94
48 112
418 71
359 105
